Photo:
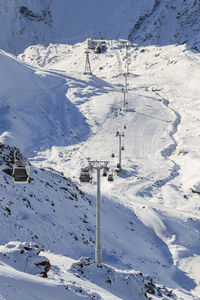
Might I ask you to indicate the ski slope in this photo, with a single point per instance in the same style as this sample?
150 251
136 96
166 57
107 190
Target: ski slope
150 213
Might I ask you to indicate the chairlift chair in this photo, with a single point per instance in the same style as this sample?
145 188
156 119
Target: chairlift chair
85 175
21 172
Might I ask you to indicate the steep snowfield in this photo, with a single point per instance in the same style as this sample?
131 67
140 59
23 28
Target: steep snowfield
42 96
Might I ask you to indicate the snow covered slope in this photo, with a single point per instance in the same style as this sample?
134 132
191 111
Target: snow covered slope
161 158
26 98
42 211
24 22
53 214
59 117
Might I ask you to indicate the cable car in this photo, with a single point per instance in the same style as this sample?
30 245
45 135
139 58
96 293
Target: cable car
85 175
110 177
104 173
21 172
105 170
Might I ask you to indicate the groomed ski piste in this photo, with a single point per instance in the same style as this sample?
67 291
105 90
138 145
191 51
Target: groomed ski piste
58 117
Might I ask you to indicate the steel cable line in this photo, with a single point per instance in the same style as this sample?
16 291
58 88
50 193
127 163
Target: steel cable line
154 118
11 107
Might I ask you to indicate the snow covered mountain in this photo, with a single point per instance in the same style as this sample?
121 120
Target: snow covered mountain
158 232
53 214
59 117
24 22
169 22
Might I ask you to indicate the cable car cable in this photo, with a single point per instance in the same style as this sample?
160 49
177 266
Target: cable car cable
10 106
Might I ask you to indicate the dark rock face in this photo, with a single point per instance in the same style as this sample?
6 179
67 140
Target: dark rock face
34 16
45 264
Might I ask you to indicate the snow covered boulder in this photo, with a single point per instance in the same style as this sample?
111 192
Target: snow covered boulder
196 188
25 257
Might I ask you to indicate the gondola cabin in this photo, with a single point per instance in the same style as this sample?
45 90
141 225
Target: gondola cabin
85 176
21 172
105 170
104 173
110 177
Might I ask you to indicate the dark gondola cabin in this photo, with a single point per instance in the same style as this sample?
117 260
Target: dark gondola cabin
105 170
85 175
21 172
104 173
110 177
118 166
